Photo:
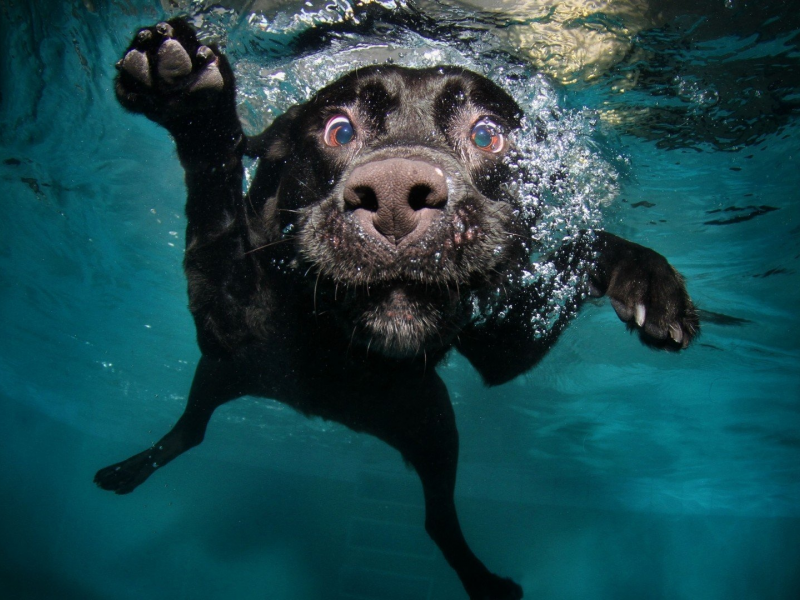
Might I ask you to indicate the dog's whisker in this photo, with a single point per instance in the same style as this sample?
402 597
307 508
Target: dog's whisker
303 183
316 283
275 243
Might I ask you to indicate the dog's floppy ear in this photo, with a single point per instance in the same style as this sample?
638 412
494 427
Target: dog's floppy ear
274 143
273 148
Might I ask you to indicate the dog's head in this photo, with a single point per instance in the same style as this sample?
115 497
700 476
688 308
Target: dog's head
393 182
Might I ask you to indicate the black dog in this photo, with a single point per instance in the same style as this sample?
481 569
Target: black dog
378 220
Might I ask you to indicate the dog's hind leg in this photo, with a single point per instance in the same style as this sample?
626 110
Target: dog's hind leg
421 424
215 383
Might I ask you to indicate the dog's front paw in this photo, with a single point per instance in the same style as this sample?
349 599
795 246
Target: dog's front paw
648 294
166 73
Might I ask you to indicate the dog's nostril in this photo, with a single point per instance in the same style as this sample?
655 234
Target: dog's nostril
362 196
420 196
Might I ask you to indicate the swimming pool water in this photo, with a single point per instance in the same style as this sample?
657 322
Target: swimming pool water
610 471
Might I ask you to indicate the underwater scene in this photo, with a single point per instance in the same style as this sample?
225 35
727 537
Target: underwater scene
611 470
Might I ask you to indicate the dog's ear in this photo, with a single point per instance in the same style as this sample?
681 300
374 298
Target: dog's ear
274 144
273 148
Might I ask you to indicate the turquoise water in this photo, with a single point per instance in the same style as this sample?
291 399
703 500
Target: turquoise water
610 471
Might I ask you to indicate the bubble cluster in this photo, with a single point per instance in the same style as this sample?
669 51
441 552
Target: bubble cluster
562 182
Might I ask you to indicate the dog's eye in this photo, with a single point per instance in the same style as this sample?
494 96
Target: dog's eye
487 135
339 131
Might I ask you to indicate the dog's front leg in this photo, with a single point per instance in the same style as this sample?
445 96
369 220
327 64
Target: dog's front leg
215 382
170 77
167 75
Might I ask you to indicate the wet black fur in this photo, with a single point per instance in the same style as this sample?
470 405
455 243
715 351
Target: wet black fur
292 300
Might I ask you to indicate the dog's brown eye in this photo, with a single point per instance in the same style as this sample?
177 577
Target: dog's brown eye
487 135
339 131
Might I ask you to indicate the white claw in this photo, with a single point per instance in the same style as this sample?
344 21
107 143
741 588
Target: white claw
676 333
640 314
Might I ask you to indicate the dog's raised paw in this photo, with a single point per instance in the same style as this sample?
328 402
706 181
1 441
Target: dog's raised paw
167 72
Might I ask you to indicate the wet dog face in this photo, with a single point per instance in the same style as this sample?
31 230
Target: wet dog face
394 190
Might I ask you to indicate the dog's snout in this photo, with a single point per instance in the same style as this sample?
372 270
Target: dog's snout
400 194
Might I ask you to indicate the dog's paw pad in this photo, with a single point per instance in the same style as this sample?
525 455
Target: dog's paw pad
209 78
137 66
624 312
164 29
173 61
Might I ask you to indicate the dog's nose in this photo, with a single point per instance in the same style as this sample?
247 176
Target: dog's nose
402 194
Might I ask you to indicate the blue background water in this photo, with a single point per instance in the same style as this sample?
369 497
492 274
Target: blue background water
610 471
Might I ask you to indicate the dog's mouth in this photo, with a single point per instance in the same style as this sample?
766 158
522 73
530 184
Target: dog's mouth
407 320
396 318
399 304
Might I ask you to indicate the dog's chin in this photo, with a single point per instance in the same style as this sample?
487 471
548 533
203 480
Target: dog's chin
404 322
